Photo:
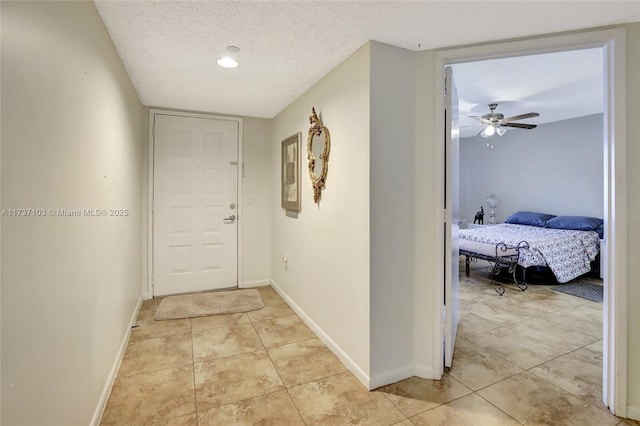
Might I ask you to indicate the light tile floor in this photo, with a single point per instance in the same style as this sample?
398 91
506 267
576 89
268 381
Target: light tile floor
531 358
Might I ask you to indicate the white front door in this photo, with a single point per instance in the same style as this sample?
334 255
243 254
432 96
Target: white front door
452 215
195 198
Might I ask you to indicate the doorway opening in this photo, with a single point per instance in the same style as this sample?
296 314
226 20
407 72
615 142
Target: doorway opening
611 43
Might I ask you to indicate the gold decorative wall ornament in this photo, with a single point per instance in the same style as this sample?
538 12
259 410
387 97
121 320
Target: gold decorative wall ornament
318 148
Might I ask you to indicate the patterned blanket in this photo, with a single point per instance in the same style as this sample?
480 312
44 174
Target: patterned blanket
567 253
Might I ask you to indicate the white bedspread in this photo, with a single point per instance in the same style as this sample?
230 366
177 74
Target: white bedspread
567 253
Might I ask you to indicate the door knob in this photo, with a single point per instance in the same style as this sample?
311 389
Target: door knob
230 219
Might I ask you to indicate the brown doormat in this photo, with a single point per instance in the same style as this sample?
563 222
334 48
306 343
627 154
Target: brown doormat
212 303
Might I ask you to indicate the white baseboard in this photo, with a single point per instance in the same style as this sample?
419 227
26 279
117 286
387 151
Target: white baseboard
633 413
257 283
401 374
425 372
389 377
328 341
106 391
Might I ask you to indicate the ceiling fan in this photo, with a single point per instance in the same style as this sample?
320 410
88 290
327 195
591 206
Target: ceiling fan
495 122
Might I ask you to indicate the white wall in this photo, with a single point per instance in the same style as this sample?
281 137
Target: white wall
428 205
633 217
71 139
556 168
328 244
392 213
256 217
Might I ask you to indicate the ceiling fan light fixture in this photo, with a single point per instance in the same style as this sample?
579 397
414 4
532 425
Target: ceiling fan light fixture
496 122
488 131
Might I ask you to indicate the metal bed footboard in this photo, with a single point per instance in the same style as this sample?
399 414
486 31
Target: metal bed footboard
504 258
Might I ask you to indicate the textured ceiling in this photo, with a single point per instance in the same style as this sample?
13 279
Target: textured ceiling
169 48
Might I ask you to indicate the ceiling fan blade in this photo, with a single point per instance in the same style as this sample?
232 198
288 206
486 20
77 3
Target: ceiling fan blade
520 125
484 120
520 117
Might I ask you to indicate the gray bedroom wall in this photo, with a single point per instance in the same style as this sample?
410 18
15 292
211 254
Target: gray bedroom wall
556 168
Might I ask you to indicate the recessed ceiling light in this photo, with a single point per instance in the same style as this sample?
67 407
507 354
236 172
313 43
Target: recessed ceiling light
233 49
227 62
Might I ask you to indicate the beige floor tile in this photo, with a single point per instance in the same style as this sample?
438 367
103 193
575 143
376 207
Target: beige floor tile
189 420
218 321
530 287
149 308
272 409
151 397
342 400
156 354
305 361
415 395
273 310
596 347
574 302
474 290
629 422
476 369
517 348
544 301
406 422
269 295
280 331
533 401
579 321
553 334
527 308
587 306
472 324
150 328
579 373
223 342
496 311
470 410
226 380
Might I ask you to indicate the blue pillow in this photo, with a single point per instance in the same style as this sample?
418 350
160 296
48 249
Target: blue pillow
579 223
529 218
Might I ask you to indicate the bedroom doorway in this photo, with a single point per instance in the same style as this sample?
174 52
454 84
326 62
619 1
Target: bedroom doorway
611 44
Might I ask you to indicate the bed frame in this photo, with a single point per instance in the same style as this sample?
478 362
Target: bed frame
504 258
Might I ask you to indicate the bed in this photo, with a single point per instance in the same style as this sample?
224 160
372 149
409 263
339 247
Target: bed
565 244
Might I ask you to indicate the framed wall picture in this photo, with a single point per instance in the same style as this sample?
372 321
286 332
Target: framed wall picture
291 173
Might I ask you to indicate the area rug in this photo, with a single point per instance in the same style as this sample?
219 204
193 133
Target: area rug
212 303
593 292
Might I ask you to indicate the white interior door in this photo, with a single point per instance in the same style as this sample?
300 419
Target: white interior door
452 215
195 197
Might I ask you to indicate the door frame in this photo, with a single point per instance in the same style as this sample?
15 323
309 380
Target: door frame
612 41
150 176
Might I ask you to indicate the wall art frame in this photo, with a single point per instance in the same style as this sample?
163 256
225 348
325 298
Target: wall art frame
290 184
